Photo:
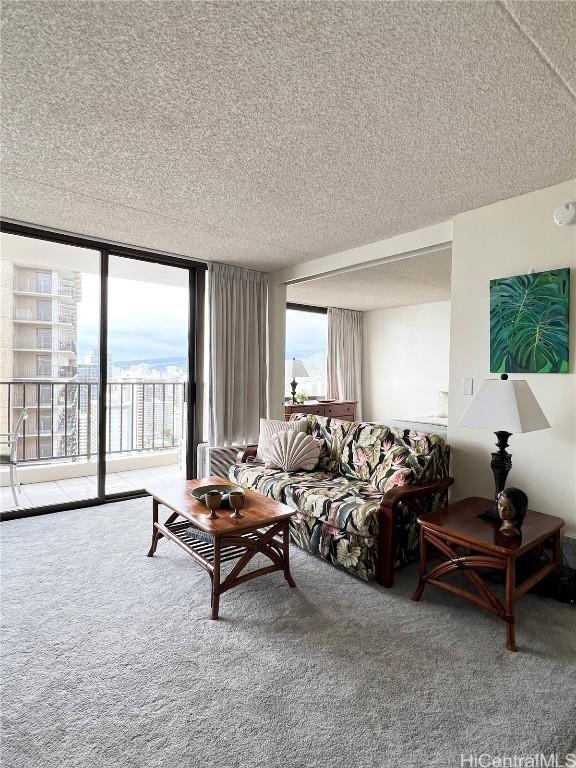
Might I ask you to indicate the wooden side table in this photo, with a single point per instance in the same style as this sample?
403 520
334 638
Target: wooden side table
336 409
466 542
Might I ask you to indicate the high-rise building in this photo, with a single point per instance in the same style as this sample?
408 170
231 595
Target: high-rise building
38 356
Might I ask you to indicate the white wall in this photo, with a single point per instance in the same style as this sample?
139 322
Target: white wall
406 358
509 238
355 258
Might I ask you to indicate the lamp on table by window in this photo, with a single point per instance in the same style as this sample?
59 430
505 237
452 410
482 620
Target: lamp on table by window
298 370
504 406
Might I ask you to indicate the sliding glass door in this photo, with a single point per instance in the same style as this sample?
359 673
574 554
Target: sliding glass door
98 354
49 316
147 373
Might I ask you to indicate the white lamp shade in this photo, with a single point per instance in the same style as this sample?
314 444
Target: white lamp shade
505 406
298 369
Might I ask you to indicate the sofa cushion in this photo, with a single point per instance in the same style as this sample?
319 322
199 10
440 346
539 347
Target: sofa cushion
388 457
363 449
332 432
342 503
268 481
292 450
429 454
271 427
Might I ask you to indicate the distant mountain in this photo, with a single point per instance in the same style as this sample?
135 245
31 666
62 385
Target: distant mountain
300 354
155 362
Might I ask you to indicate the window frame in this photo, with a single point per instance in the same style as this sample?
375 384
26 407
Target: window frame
196 280
312 309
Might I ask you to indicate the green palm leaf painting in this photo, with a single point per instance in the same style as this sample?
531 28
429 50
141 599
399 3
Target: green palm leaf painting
529 323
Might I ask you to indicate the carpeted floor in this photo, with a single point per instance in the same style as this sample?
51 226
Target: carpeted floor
109 659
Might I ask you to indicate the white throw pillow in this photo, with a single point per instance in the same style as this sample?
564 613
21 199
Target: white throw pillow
271 427
290 450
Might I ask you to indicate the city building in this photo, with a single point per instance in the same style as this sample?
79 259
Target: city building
38 361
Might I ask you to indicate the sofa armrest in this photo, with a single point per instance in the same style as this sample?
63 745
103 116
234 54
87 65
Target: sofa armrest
246 455
388 506
401 492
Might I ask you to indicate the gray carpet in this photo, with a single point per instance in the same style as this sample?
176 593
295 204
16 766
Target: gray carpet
110 659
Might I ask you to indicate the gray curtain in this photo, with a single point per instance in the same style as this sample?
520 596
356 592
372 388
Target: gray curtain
345 356
237 353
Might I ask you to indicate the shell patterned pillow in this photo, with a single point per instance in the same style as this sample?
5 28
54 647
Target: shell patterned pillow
271 427
291 451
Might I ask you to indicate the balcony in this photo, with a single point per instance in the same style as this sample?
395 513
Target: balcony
141 417
46 372
43 287
145 423
34 315
31 315
164 468
32 343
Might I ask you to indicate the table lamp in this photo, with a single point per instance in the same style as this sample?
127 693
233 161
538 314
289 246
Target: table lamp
504 406
298 370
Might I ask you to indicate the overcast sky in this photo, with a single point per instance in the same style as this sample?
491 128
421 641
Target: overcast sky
306 333
145 320
150 320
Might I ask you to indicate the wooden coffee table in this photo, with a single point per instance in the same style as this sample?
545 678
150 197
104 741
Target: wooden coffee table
470 544
263 528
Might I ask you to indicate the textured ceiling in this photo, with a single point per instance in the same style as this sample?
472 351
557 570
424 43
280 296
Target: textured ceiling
416 280
268 133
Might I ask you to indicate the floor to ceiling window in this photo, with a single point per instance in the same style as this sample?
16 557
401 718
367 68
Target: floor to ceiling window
49 315
71 319
147 372
306 341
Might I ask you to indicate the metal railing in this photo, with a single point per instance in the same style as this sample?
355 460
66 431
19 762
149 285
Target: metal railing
31 343
35 315
140 417
45 371
44 286
32 314
33 285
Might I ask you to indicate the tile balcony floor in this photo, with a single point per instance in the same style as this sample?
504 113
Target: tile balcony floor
79 488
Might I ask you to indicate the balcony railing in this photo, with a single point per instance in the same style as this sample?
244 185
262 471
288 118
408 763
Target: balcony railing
32 314
65 289
33 285
33 343
140 417
44 287
45 371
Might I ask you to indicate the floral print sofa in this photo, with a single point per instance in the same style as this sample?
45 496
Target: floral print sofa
358 508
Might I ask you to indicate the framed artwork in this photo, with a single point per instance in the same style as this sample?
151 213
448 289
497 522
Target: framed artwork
529 322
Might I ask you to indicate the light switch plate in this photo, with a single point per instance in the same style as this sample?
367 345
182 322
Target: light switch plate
467 386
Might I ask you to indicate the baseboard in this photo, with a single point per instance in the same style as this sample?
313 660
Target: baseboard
569 549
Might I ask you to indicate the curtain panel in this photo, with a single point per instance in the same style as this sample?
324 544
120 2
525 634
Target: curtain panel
344 356
237 353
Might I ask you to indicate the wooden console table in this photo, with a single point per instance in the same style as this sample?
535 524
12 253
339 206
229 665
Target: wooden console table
263 528
466 542
338 409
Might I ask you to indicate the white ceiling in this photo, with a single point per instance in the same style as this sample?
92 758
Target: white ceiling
415 280
265 134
